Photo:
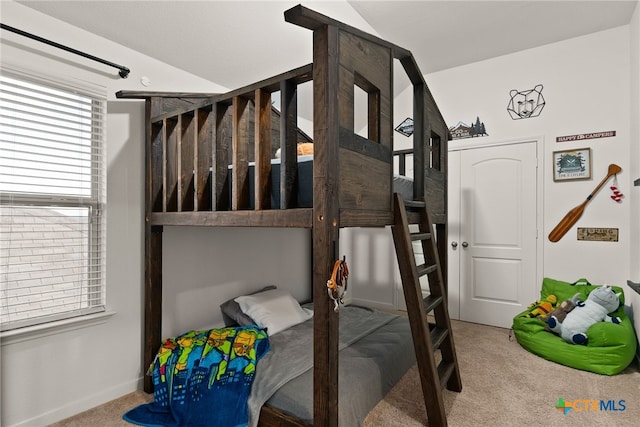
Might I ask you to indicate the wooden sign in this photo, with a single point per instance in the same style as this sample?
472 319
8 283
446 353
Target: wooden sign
462 130
598 234
581 136
406 127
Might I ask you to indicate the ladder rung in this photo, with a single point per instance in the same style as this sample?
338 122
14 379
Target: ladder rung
426 269
431 302
437 336
420 236
414 204
445 369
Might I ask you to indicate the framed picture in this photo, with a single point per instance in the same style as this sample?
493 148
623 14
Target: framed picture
572 164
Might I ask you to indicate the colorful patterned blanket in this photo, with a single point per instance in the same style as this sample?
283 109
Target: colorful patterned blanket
203 378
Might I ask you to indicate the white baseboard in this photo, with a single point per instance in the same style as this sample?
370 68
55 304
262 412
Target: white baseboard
78 406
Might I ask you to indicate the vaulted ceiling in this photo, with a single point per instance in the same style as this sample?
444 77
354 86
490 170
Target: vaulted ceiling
234 43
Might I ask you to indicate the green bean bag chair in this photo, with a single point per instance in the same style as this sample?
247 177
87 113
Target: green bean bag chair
610 348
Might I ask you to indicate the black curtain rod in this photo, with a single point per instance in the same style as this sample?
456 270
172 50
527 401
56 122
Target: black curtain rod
124 71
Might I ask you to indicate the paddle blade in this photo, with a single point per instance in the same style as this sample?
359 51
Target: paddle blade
567 222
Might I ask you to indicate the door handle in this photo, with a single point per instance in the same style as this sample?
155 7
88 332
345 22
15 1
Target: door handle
465 244
454 245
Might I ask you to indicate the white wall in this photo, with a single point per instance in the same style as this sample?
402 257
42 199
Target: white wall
587 82
203 267
586 87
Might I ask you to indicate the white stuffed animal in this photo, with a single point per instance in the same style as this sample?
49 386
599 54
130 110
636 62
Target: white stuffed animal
599 303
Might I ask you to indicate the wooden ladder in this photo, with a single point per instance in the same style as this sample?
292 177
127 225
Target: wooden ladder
427 337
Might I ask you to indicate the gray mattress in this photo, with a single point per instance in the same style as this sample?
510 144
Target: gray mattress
368 367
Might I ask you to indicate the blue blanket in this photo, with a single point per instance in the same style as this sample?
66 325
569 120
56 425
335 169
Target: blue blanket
203 378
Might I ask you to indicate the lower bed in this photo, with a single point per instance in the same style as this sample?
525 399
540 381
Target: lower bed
368 368
376 350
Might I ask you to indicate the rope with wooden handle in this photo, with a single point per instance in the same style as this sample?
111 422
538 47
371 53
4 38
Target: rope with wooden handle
574 214
337 283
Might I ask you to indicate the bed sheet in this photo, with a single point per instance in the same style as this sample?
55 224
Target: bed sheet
368 369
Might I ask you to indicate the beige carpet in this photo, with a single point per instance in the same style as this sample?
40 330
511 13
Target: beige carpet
503 385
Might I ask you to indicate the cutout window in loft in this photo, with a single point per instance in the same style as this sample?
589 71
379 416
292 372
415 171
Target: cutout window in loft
366 109
435 152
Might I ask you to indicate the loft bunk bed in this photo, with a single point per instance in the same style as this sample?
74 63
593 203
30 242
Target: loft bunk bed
209 162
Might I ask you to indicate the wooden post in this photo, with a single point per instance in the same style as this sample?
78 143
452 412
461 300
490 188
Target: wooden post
262 155
221 136
152 298
326 223
240 156
203 158
152 255
288 143
420 137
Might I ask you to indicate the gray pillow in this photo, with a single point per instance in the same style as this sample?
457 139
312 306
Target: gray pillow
232 315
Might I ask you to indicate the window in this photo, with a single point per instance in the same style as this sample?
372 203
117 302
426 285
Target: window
52 202
365 93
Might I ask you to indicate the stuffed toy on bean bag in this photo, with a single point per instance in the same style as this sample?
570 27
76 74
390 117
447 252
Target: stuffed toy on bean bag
561 311
542 308
595 309
609 349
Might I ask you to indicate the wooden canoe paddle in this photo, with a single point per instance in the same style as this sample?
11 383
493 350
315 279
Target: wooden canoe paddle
574 214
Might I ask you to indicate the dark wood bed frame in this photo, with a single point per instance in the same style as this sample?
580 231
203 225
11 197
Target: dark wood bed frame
192 138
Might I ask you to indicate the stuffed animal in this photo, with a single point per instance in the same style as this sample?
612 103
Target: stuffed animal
561 311
599 303
303 148
540 309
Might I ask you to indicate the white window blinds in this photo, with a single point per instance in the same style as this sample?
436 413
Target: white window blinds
52 202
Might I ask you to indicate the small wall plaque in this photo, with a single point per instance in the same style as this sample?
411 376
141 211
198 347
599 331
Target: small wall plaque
598 234
406 127
572 164
462 130
581 136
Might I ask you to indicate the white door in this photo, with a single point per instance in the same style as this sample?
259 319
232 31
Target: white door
497 242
